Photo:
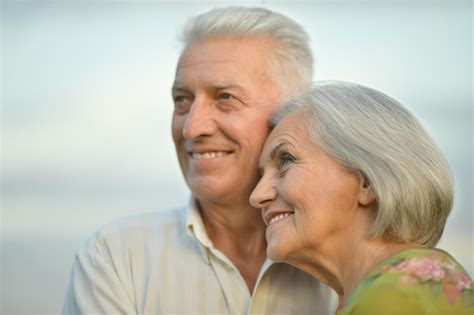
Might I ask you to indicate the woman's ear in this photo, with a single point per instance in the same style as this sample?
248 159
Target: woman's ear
366 195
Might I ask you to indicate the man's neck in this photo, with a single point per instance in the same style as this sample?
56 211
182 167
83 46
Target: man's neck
239 233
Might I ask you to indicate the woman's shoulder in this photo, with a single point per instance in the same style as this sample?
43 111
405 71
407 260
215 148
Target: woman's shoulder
416 281
420 265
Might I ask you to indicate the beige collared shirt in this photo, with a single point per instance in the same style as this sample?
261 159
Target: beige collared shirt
164 263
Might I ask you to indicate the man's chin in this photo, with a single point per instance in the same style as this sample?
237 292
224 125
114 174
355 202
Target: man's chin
208 189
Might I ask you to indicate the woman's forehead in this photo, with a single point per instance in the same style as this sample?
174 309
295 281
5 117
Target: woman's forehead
292 130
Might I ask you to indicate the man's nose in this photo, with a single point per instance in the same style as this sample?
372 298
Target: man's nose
263 194
200 121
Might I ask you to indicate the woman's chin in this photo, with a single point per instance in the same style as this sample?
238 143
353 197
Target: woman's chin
281 241
276 252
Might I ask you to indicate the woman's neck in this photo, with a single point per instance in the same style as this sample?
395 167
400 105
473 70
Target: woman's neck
355 265
344 267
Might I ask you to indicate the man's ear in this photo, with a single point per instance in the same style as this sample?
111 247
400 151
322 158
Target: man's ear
366 195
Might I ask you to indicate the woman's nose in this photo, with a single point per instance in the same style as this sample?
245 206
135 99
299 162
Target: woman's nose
263 194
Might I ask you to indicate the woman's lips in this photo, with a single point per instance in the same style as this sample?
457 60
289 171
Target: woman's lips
275 216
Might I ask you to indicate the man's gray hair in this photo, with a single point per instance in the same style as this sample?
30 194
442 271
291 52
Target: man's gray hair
290 60
372 134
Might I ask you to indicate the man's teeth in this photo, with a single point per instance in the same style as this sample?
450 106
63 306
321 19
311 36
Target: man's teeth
278 217
208 155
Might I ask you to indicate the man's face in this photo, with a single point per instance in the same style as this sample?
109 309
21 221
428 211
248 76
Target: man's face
223 95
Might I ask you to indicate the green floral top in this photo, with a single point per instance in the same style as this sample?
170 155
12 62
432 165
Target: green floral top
416 281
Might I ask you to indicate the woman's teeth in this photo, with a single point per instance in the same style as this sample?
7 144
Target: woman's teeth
278 217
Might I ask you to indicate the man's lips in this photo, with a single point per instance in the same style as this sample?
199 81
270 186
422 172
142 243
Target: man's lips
201 151
208 155
270 217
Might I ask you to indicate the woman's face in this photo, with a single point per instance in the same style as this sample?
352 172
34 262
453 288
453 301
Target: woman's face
308 201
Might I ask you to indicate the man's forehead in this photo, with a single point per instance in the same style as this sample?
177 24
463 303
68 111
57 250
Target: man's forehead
218 76
217 67
239 64
203 52
203 59
214 51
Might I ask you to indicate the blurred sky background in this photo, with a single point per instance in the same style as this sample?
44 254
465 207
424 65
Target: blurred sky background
86 112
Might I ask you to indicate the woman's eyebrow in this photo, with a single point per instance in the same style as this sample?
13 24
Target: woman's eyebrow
276 149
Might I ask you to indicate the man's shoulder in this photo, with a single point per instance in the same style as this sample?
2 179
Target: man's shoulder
146 222
138 231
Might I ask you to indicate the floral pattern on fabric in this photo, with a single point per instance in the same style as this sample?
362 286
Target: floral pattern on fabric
416 281
441 276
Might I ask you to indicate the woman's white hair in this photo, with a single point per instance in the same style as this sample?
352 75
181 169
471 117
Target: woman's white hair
372 134
290 58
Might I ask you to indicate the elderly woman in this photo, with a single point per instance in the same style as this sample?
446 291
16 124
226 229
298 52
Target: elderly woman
355 192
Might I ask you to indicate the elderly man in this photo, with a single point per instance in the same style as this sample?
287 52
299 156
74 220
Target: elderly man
237 66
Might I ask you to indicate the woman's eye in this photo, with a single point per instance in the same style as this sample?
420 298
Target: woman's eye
286 159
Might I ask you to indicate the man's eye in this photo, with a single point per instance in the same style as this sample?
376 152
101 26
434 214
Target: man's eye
226 96
227 102
178 98
181 104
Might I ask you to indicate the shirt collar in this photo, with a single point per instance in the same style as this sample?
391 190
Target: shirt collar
195 228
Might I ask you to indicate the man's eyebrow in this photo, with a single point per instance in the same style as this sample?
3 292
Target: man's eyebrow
227 85
223 85
179 88
216 86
